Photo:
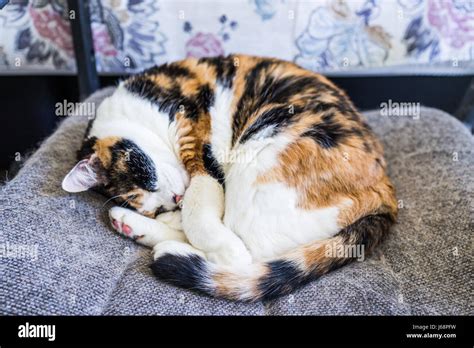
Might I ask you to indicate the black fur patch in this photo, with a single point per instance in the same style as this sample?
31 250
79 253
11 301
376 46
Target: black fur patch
188 272
169 101
327 133
89 126
278 118
205 98
225 69
280 90
357 132
211 164
262 88
87 148
249 101
369 230
172 70
144 88
141 170
172 100
283 277
319 107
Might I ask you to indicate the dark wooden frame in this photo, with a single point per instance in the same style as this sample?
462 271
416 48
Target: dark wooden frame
88 78
465 111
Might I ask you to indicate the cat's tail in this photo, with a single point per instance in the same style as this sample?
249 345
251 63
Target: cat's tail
264 281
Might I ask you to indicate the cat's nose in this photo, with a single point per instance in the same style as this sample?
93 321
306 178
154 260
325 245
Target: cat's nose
177 198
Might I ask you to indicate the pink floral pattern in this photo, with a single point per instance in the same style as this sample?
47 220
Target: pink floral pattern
208 44
51 26
453 20
102 41
204 45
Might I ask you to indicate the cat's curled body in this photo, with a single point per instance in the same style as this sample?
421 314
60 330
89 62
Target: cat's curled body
278 170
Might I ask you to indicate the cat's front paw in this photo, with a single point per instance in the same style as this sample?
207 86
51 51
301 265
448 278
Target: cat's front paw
121 220
144 230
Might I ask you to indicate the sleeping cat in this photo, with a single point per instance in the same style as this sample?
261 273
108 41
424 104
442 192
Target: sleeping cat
244 174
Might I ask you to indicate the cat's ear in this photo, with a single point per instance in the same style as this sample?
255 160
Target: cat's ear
81 178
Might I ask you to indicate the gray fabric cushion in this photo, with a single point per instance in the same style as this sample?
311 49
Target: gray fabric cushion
82 267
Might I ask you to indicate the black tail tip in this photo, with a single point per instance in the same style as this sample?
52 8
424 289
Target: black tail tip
184 271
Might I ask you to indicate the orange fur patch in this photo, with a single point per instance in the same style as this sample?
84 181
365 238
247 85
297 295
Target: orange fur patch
102 148
192 136
162 80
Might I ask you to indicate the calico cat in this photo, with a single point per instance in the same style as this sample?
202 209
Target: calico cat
272 166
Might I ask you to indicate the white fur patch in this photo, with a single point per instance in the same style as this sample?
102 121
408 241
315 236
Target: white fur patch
203 207
221 124
175 248
266 217
268 220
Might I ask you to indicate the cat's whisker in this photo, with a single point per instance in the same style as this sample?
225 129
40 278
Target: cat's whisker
128 200
107 201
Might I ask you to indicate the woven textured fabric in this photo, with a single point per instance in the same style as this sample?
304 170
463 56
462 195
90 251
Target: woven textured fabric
58 254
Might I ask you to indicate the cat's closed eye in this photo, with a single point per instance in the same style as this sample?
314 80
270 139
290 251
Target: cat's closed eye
127 200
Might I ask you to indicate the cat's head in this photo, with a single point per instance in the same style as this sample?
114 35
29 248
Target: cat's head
124 171
131 155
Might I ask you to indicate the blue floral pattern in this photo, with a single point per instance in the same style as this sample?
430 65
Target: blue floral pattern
336 37
323 35
266 9
127 35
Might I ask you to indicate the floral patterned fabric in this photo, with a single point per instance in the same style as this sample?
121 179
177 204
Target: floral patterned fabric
323 35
